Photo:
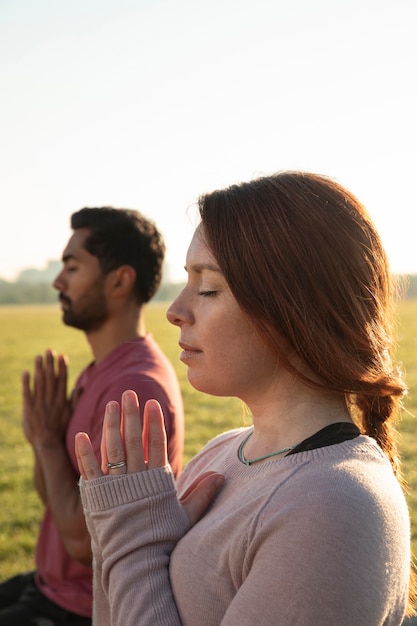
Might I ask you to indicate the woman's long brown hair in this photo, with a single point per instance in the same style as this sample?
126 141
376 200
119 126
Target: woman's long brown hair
306 263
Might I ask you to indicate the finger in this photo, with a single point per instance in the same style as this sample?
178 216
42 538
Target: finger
201 494
112 444
27 394
145 435
27 403
38 381
49 376
62 378
87 463
132 432
156 436
196 482
103 448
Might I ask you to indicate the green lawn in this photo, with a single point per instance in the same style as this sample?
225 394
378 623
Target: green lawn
29 330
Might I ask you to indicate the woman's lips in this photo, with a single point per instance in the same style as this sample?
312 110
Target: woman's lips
188 352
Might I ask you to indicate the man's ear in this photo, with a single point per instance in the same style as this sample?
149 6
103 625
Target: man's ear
122 280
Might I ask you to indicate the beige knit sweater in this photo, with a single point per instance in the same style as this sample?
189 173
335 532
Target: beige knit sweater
315 538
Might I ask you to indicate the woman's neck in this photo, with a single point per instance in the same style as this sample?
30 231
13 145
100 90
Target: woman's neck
291 414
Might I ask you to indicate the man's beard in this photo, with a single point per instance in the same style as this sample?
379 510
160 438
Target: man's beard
90 315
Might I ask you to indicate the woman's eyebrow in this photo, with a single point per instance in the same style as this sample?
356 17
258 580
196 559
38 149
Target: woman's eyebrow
199 267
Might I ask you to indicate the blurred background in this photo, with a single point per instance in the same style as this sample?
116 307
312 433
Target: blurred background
147 103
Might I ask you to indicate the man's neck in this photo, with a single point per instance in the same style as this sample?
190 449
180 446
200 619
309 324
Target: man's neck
112 334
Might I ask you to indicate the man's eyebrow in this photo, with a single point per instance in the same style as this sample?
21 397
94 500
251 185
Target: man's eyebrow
67 257
199 267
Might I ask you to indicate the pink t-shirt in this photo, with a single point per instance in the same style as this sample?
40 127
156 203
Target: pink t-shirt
140 365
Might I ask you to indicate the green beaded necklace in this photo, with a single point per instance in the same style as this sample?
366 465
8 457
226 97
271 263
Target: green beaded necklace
245 461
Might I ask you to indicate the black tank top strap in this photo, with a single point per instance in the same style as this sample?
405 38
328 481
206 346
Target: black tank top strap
328 436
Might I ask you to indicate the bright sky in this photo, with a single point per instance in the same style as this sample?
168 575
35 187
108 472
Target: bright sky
147 103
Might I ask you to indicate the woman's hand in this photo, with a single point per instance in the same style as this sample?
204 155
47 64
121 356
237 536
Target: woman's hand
125 448
123 443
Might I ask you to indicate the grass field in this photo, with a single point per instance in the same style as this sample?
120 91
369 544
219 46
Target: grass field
27 331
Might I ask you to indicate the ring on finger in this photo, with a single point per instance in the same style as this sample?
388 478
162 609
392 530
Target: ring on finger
116 465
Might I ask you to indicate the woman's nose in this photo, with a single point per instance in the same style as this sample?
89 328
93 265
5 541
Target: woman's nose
177 311
172 315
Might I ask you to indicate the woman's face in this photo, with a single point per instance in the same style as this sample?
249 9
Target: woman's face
224 354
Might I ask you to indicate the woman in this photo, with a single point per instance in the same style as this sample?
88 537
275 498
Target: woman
288 306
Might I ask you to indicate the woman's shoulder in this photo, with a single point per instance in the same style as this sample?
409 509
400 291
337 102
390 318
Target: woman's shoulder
354 475
356 462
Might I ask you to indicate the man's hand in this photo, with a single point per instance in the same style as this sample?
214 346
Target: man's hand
46 408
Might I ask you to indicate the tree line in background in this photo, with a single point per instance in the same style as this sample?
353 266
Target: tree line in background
34 286
21 292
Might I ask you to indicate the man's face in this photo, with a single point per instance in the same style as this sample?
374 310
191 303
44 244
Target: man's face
81 286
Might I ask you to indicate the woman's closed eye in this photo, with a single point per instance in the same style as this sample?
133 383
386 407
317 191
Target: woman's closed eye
208 293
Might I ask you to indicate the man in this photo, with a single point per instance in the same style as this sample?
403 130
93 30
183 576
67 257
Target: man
112 267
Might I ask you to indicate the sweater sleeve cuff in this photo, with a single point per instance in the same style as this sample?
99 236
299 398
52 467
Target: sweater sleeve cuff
107 492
